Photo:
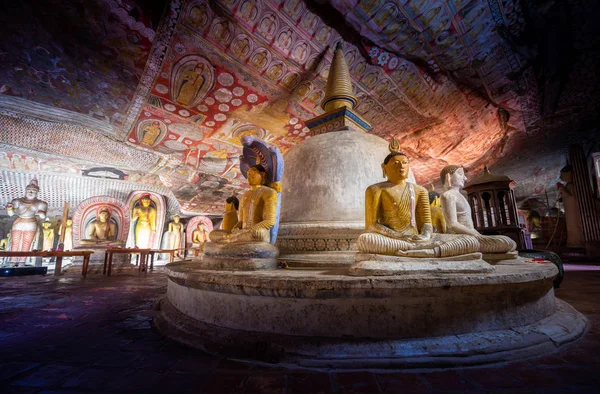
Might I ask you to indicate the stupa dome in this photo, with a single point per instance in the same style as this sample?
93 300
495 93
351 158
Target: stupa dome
327 175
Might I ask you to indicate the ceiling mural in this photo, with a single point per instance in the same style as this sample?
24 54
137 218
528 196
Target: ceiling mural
181 81
87 58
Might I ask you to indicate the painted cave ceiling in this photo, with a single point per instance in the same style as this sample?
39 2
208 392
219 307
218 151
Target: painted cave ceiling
159 93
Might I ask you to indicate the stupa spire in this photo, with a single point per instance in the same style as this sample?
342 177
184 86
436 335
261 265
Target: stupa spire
339 92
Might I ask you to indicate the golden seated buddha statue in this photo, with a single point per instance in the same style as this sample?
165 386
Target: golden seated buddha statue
102 231
398 217
257 214
249 244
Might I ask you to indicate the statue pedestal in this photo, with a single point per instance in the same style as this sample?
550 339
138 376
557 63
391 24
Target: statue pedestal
494 258
240 256
325 318
381 265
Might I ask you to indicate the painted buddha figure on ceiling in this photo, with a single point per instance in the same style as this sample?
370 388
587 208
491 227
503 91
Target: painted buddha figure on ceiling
191 83
151 133
457 213
102 230
398 217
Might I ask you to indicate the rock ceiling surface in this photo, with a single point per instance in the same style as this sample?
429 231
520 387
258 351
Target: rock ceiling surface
161 93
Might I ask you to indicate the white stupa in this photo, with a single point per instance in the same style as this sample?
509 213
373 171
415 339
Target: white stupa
323 197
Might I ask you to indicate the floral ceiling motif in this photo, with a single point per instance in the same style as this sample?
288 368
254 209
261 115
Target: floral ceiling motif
182 81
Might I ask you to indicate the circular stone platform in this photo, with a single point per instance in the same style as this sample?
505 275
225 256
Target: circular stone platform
326 318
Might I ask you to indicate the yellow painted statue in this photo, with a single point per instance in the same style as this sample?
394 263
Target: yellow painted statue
257 214
48 235
145 228
101 230
232 204
398 217
4 243
437 215
457 213
200 236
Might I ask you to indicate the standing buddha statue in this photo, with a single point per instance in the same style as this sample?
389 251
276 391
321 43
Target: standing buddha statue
145 227
68 240
48 235
175 235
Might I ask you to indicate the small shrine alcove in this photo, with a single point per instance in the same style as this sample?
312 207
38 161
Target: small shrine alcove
493 206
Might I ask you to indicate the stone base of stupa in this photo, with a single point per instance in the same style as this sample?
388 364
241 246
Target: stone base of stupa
382 265
325 318
242 256
318 244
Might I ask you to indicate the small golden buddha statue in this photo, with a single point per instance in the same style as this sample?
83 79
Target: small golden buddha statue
101 231
145 227
48 235
457 213
258 212
398 217
230 218
437 215
4 243
200 236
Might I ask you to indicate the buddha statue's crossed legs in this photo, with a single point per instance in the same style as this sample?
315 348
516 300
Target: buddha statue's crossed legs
496 244
440 245
245 235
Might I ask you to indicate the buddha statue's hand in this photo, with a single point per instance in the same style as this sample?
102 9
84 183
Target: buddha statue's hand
420 238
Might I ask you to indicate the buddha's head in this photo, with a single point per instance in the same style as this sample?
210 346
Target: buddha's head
145 200
46 224
69 222
232 204
257 175
104 214
566 173
32 190
176 218
453 176
396 167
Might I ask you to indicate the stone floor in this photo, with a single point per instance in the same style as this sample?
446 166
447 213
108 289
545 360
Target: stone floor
69 335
